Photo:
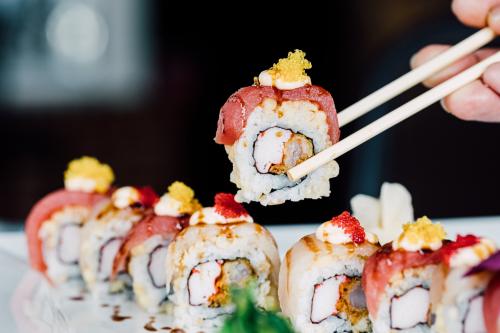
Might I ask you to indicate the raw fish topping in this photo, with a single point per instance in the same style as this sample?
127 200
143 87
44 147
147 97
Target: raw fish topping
450 249
228 207
88 175
420 235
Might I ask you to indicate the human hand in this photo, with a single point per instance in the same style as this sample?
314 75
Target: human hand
479 100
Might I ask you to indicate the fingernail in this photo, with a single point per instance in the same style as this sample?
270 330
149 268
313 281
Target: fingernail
443 105
494 19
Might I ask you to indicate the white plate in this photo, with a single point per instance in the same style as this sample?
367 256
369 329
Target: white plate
29 305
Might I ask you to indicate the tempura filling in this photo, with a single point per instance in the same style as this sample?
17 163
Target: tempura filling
276 150
209 282
340 296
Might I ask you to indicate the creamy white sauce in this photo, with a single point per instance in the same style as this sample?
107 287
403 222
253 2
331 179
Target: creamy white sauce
266 79
81 184
168 206
208 215
125 197
328 232
416 246
269 148
201 282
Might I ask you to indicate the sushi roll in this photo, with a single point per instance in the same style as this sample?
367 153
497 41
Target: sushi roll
104 233
491 299
220 248
397 279
274 125
53 226
320 279
457 300
144 249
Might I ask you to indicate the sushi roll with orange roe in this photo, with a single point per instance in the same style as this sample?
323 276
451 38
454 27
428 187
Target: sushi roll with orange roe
104 233
274 125
53 226
143 252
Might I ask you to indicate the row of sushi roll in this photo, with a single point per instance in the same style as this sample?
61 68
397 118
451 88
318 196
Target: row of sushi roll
178 258
365 272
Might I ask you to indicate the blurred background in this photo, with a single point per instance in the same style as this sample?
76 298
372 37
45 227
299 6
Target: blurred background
139 84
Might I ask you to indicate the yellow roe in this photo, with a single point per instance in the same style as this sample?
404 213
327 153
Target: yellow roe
422 232
183 193
90 168
293 68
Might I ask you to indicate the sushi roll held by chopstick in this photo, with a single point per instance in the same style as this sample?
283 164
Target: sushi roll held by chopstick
104 233
221 248
397 279
320 278
458 299
53 227
274 125
144 249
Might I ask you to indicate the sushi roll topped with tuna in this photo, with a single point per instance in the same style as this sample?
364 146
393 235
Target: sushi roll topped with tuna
222 247
104 233
458 299
320 279
398 278
144 249
274 125
54 223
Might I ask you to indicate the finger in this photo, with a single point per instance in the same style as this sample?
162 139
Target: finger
492 77
473 12
494 19
475 101
431 51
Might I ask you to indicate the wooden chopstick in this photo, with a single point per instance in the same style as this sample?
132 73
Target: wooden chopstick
419 74
394 117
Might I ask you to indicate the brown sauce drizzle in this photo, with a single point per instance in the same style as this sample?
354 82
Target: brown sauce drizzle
166 328
77 298
104 305
177 330
117 316
149 325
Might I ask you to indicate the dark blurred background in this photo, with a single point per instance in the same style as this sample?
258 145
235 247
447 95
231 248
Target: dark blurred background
139 84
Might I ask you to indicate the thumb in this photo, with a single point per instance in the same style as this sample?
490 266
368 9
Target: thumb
494 19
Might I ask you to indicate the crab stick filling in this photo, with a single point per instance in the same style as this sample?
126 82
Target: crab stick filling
473 320
156 266
277 150
418 300
69 244
209 282
107 255
338 294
